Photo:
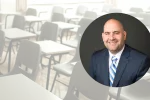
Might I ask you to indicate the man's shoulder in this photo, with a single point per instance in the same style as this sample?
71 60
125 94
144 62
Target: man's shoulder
100 53
136 53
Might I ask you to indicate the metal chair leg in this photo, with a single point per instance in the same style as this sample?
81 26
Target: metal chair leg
13 49
54 82
70 35
60 56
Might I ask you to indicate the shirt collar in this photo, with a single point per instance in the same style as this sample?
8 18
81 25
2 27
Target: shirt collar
118 54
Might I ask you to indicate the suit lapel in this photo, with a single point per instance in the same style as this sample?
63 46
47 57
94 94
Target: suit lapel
105 69
121 66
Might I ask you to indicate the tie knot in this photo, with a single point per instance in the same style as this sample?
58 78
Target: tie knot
114 59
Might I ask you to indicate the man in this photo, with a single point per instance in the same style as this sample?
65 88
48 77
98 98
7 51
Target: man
118 64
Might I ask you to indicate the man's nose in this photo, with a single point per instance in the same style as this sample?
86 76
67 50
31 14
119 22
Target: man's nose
111 36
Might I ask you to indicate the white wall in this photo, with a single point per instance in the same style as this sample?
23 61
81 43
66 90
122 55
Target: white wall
127 4
7 6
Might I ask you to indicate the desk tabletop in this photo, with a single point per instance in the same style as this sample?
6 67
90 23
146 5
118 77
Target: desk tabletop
19 87
72 16
15 33
51 47
34 19
64 25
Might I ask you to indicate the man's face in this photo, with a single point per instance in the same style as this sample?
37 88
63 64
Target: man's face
113 36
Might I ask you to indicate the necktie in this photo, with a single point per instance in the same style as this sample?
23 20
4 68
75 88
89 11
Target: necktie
112 70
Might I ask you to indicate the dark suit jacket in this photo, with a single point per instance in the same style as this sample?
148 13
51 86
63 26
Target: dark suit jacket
131 67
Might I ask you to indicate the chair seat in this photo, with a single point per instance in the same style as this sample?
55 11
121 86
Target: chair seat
71 43
65 69
137 91
74 30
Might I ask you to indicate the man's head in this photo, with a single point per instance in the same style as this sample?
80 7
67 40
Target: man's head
114 35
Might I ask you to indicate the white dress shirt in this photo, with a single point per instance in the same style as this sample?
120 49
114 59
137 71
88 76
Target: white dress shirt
118 55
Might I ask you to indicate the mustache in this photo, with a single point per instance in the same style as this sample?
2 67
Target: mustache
112 40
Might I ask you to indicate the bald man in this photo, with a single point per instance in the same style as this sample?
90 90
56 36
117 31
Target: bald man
118 64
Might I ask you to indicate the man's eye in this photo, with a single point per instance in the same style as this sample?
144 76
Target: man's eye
106 33
117 32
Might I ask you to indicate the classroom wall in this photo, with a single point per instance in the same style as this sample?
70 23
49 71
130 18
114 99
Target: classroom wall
8 6
127 4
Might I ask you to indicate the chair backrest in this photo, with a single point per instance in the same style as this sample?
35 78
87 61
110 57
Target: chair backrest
115 10
2 42
136 10
81 81
58 9
57 17
90 14
28 59
81 10
106 7
146 18
84 24
18 22
49 31
31 11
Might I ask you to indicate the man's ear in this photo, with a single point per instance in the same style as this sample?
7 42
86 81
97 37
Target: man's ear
102 34
125 35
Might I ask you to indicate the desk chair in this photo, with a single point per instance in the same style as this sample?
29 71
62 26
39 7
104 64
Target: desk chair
137 91
90 15
115 10
106 7
65 68
30 12
136 9
28 60
58 9
80 11
82 82
2 43
57 17
146 18
18 22
49 32
57 14
84 22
